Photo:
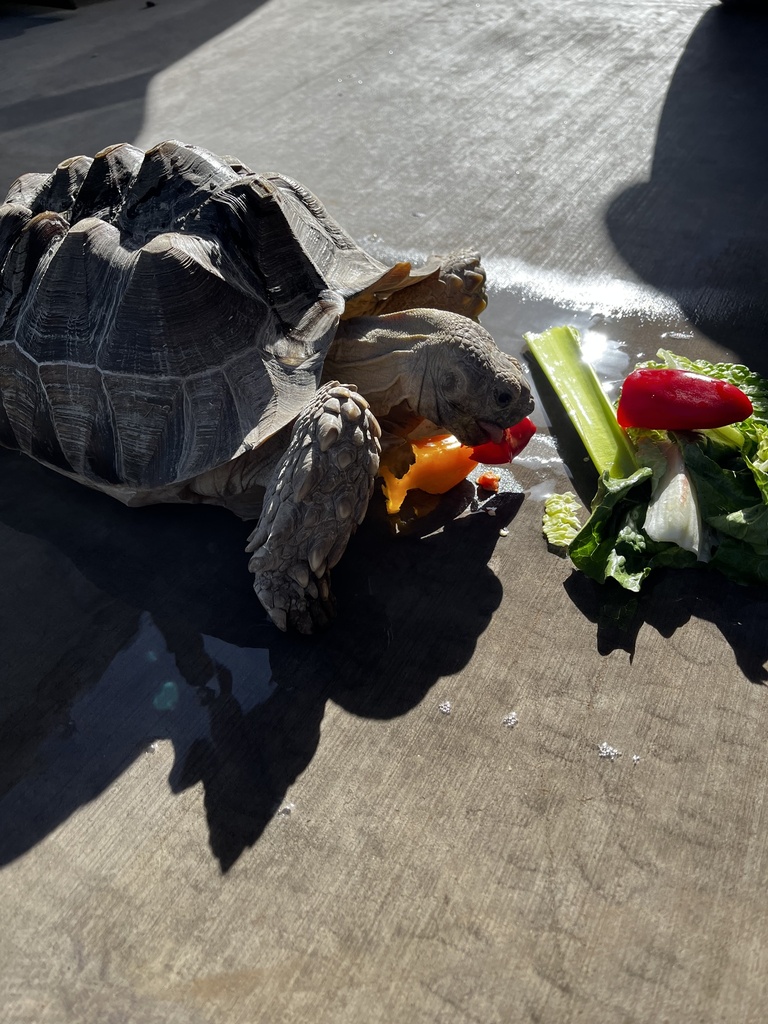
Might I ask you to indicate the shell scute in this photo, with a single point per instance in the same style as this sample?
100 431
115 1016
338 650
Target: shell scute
56 316
13 219
84 419
207 436
39 235
59 191
109 178
263 257
31 420
172 183
25 188
176 315
150 415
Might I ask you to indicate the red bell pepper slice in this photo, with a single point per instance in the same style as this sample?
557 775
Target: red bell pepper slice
499 453
670 399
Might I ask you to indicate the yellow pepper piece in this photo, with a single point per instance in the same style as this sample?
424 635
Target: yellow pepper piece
441 463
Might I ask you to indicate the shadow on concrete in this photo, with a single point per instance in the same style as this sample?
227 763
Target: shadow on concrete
698 230
668 600
98 64
15 21
174 645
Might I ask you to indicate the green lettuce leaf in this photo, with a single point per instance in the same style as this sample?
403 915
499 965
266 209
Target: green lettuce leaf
561 522
613 545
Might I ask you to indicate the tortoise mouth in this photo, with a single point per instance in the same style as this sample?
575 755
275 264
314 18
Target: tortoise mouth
471 432
492 431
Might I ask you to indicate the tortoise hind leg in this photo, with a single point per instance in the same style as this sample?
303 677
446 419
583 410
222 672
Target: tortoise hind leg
455 283
316 498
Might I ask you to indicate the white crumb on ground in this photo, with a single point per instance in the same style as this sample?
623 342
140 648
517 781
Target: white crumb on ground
607 752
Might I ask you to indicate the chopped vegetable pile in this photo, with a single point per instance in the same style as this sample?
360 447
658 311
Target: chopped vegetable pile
685 483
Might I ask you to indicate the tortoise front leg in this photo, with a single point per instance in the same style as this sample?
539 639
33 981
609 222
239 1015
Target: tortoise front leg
316 498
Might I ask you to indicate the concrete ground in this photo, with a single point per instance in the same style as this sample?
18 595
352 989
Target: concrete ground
205 822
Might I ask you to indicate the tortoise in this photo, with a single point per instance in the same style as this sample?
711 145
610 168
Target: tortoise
177 328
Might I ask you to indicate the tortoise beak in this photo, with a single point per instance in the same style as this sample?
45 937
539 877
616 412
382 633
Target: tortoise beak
492 431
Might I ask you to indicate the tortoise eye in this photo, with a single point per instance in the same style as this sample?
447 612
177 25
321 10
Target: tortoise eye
503 397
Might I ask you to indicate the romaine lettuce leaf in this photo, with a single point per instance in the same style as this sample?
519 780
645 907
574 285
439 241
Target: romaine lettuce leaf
613 544
561 522
740 562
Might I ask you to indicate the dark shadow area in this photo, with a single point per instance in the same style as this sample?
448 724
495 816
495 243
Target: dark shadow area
159 636
16 19
698 230
669 598
98 62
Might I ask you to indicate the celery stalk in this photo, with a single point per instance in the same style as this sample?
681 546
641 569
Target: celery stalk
558 353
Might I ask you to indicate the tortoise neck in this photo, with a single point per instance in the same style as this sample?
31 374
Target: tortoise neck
382 357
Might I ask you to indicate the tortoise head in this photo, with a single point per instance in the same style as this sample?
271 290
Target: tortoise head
468 385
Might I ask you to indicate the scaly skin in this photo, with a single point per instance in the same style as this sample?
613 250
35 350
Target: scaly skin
317 497
455 283
459 287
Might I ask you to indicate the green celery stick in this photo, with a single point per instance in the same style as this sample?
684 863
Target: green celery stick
558 353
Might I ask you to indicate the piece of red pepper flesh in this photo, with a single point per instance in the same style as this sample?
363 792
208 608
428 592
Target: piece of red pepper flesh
499 453
670 399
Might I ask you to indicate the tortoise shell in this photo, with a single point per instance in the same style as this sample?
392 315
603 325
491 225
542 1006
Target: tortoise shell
163 312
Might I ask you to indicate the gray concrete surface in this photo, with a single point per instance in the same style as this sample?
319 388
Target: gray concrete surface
204 822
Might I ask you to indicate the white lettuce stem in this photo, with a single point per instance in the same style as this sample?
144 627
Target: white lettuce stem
673 514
